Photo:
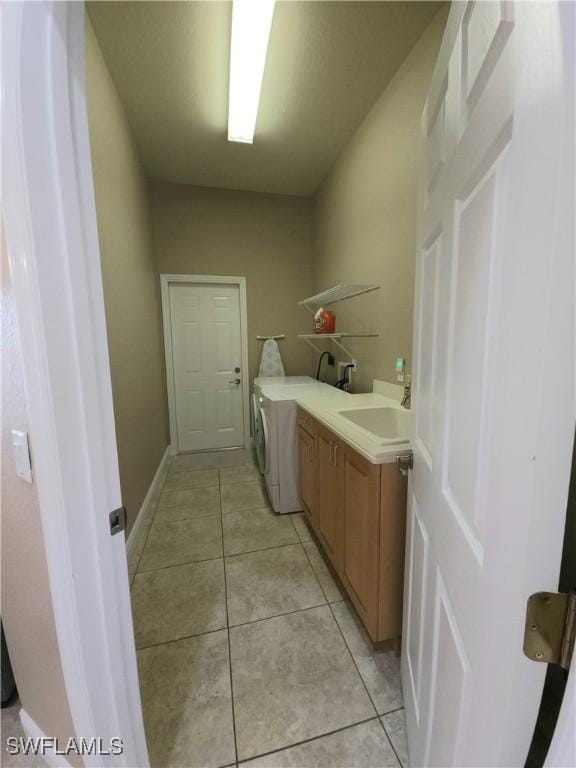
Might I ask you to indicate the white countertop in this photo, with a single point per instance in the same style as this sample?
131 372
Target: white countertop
326 411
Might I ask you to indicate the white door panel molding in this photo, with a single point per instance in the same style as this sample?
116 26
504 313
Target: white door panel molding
493 413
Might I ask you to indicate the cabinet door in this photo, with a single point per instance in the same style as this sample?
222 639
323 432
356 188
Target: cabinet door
329 508
393 490
361 522
307 467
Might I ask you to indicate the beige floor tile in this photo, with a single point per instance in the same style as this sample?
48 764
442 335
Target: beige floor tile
395 725
255 529
245 473
269 583
380 668
12 729
302 529
186 702
293 679
360 746
177 602
241 496
183 541
328 580
212 459
191 478
187 504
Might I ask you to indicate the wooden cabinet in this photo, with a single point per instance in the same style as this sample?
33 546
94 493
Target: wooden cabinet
358 512
307 468
361 551
393 492
307 422
329 484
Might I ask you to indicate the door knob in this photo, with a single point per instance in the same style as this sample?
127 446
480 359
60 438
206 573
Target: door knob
235 381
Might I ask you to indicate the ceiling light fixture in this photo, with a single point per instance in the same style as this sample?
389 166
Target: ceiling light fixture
251 22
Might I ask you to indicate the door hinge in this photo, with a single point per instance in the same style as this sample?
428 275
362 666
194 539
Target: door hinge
405 462
117 520
551 627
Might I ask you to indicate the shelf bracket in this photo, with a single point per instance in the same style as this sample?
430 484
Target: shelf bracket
334 341
343 348
311 344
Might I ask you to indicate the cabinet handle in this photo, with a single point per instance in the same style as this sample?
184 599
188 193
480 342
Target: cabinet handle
335 454
333 450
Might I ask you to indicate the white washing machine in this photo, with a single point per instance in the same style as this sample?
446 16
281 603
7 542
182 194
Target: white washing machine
275 434
259 383
284 381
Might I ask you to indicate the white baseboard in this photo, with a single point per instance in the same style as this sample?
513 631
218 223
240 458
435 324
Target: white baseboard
32 730
147 508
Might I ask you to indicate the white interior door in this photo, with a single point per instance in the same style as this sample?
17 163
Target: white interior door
494 382
47 202
207 362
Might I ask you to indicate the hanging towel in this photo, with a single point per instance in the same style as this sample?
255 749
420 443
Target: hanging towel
271 362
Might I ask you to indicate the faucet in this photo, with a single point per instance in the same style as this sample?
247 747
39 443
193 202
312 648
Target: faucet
407 397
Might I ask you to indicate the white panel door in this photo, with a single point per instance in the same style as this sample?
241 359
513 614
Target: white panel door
207 355
493 382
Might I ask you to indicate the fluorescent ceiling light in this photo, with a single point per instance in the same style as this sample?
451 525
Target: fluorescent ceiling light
251 22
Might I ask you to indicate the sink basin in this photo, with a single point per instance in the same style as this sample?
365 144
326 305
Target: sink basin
388 424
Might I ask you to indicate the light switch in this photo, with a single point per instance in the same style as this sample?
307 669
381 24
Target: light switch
22 455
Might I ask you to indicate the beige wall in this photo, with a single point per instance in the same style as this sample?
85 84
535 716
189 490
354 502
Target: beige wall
266 238
26 601
131 290
365 217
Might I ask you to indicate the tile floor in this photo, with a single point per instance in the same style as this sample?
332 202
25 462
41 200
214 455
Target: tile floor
11 728
247 649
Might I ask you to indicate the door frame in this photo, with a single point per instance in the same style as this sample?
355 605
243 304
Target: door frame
52 241
166 280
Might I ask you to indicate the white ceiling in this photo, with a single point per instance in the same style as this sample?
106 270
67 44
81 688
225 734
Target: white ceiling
328 61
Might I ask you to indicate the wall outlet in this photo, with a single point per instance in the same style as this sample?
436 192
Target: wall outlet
349 373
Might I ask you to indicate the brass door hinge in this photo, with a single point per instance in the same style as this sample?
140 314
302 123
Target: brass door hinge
550 627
